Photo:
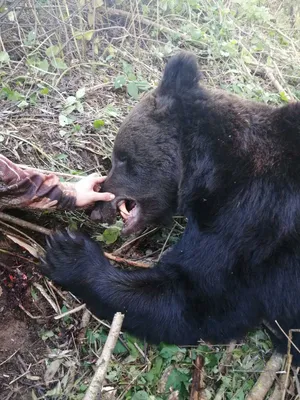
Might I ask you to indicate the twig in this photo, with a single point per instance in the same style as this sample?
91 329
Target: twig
9 358
29 314
24 224
85 320
126 244
47 297
266 379
289 359
227 357
21 376
275 82
75 310
126 261
197 389
95 387
47 232
290 341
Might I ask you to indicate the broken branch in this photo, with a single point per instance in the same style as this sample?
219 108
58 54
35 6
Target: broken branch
94 390
266 379
47 232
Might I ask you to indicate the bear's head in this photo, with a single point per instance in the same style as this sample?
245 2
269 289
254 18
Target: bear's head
146 159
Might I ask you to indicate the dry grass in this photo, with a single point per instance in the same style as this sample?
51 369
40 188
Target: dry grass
51 49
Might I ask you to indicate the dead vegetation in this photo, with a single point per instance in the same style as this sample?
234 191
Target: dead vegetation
69 73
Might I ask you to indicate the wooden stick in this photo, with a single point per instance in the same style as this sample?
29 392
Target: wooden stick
24 224
197 389
266 379
227 357
73 311
47 232
94 390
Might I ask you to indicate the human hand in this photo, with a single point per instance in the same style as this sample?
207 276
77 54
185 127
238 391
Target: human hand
86 191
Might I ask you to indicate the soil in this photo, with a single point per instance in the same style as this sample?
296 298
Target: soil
21 348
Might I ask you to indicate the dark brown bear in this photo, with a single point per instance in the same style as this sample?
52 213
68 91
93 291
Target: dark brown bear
233 168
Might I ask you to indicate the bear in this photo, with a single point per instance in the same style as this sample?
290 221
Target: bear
231 166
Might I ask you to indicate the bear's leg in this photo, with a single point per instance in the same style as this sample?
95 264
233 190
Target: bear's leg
154 300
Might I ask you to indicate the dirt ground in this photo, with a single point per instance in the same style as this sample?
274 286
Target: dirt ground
21 349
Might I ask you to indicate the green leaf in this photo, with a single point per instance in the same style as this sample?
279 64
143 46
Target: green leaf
47 335
131 77
119 81
140 395
76 128
84 35
169 351
284 97
4 57
80 93
33 293
70 101
98 123
63 120
52 51
110 235
176 379
133 90
30 38
79 107
59 63
61 156
44 91
69 110
111 111
43 65
23 104
119 348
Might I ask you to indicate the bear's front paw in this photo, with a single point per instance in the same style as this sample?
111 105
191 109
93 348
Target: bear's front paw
70 258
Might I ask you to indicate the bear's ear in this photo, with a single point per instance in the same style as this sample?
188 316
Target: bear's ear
181 74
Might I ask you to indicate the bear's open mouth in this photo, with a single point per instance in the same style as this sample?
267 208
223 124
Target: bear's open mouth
130 213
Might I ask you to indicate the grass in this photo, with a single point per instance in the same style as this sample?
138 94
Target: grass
70 71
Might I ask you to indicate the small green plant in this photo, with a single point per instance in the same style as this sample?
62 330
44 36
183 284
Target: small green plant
71 104
133 83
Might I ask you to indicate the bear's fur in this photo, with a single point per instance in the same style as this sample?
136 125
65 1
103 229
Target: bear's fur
232 167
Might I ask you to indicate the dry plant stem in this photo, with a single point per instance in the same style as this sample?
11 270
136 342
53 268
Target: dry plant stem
275 82
227 357
289 359
266 379
73 311
279 387
197 389
47 232
47 297
143 20
95 387
128 262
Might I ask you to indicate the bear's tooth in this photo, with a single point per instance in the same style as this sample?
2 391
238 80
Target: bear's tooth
124 216
122 208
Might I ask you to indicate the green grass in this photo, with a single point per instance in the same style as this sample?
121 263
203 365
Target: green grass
70 72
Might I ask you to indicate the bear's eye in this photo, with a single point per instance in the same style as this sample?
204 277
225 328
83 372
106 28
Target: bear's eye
122 157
